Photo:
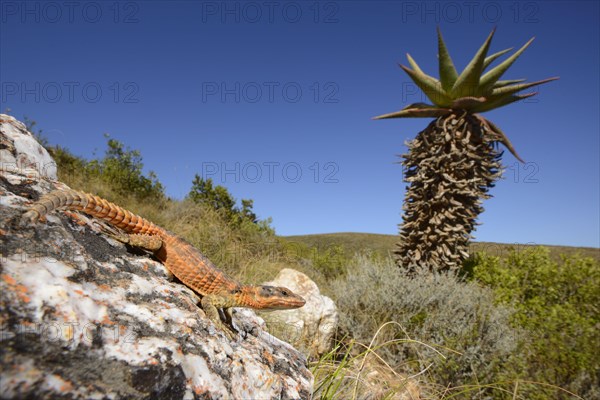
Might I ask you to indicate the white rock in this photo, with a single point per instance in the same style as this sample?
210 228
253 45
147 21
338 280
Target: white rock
312 327
21 152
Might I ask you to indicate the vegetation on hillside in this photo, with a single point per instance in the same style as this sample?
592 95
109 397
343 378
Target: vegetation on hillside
556 303
219 199
520 326
350 243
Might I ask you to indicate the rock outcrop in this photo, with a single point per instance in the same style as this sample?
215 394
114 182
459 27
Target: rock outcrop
310 328
83 316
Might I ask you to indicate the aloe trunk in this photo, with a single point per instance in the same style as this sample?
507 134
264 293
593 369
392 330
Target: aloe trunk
446 191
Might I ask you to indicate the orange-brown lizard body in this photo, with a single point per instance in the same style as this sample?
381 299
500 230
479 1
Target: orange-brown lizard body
218 290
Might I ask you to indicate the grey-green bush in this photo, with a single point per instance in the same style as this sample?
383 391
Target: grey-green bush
457 318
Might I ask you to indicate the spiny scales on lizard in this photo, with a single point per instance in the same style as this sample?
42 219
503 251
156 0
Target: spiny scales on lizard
218 290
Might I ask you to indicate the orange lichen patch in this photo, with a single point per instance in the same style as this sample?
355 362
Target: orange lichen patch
199 390
24 299
21 290
58 313
153 361
2 232
164 305
9 279
66 386
103 303
269 357
79 292
186 329
107 321
104 287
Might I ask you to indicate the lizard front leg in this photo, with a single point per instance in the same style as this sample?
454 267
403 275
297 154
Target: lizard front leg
143 241
210 305
148 242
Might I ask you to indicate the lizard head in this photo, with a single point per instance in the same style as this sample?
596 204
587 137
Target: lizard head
266 298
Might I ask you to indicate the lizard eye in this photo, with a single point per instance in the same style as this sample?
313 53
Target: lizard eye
284 292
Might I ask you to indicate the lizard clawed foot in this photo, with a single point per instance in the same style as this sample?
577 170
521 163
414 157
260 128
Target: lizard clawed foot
214 314
227 330
28 218
114 234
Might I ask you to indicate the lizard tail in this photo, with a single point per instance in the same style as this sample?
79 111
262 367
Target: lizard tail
91 205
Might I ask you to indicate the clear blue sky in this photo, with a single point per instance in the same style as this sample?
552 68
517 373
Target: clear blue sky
254 94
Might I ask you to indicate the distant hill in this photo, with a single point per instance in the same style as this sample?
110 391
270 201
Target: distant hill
385 244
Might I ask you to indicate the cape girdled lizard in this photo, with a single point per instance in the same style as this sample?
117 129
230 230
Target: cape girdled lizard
218 290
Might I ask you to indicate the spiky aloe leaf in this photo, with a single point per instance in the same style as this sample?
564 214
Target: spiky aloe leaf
467 84
416 67
500 84
502 96
448 74
490 59
490 77
501 102
504 139
430 86
511 89
416 110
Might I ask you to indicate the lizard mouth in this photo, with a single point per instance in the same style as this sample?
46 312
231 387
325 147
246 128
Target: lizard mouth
267 298
296 302
287 303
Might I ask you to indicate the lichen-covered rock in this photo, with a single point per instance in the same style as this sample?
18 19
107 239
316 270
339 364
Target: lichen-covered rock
83 316
19 151
310 328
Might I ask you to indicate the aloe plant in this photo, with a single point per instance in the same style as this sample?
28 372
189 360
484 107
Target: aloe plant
451 165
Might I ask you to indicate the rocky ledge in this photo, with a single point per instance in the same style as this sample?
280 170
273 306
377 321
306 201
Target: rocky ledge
82 316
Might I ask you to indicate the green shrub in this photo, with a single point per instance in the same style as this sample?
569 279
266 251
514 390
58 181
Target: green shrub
557 303
218 198
458 319
117 176
69 166
122 168
330 261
